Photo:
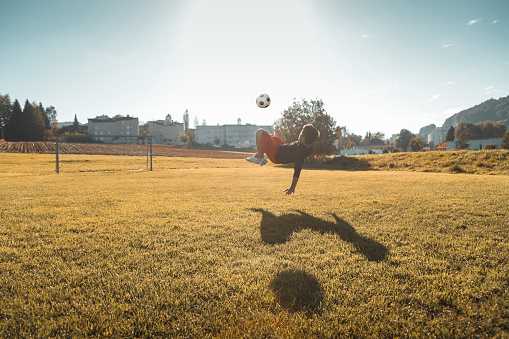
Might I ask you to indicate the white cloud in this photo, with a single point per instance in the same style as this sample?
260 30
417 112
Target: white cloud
494 21
364 36
448 83
474 21
433 98
491 90
447 45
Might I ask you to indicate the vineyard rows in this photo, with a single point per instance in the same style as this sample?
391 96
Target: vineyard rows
48 147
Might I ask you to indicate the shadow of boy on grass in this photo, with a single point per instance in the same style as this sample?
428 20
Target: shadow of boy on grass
278 229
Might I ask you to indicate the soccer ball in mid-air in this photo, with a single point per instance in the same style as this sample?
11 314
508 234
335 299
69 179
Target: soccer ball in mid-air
263 100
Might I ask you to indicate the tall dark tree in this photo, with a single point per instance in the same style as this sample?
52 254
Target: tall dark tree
14 126
76 124
33 129
304 112
450 134
45 119
5 113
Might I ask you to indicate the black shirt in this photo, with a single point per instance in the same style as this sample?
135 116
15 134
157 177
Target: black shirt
294 152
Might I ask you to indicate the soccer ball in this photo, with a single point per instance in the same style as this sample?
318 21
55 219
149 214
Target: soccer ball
263 100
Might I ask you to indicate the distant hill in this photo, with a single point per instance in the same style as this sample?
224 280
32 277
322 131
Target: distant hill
494 110
427 129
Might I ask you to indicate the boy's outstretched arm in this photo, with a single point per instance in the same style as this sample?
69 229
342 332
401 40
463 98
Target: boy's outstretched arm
291 189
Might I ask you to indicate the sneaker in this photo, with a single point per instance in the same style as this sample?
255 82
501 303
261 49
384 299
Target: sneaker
253 159
263 161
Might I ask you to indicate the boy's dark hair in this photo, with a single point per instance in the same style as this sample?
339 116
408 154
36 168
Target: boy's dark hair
310 133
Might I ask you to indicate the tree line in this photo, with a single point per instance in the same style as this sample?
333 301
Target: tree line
35 122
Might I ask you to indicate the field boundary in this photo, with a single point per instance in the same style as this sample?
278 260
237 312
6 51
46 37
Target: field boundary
49 147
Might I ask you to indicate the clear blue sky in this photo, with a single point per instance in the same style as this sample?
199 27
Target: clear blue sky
377 65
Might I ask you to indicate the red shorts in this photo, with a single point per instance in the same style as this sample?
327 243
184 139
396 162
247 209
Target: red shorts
270 144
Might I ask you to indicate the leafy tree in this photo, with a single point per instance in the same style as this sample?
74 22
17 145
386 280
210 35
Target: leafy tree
468 131
51 115
416 144
348 139
498 130
374 140
304 112
403 139
487 130
143 130
450 134
184 138
168 120
505 140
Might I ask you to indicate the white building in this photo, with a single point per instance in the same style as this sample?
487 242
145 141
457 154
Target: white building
475 145
436 137
162 133
231 135
113 130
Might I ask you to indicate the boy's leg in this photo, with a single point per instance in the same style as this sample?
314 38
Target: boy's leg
259 146
258 156
265 144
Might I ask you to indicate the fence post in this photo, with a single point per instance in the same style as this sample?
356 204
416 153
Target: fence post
150 153
56 152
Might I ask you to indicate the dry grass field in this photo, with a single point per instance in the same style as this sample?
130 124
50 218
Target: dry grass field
213 248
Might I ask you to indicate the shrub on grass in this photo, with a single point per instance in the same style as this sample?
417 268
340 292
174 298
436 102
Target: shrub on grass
456 169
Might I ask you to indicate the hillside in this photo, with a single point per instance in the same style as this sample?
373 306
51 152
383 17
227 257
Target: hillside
494 110
473 162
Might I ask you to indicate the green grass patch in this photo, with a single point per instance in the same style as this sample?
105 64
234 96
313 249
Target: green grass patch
214 248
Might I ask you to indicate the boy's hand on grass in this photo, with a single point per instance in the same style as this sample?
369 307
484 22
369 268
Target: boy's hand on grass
290 190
